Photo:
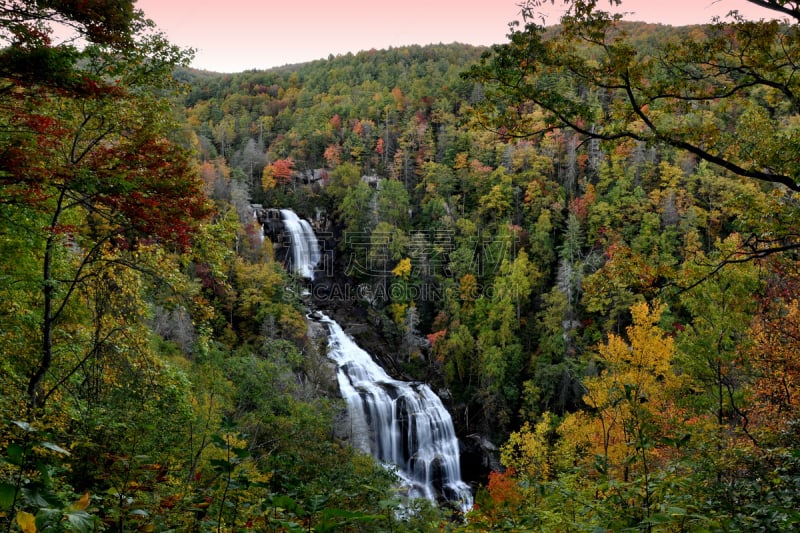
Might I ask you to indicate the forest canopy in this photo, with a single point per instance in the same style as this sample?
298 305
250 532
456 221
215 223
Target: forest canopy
585 238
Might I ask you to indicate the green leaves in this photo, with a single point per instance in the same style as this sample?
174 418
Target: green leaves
316 514
599 78
54 447
18 453
80 521
30 456
8 494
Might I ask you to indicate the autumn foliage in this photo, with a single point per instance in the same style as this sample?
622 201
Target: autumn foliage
592 256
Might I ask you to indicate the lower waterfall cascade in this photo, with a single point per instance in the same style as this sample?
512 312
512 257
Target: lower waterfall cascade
404 425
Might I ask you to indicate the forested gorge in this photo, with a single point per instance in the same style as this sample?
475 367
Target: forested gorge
584 239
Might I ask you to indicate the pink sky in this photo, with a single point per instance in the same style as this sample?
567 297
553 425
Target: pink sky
236 35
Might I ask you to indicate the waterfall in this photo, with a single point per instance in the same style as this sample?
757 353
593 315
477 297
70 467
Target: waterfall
260 225
304 245
401 424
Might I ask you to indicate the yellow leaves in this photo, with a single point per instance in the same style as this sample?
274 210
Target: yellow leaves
630 400
26 522
403 268
517 279
260 477
398 311
652 351
671 175
256 282
576 433
234 441
643 366
461 161
292 324
496 204
527 451
268 179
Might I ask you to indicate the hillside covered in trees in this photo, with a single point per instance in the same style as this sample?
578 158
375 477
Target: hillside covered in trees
585 240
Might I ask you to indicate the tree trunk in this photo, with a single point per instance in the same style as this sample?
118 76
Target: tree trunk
35 393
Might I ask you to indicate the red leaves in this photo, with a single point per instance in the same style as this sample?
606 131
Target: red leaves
143 186
152 185
75 138
26 162
42 124
580 205
94 88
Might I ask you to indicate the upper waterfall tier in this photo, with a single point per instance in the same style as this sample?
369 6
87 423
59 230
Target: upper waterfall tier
304 245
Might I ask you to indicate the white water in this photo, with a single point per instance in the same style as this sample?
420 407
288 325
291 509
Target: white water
304 244
399 423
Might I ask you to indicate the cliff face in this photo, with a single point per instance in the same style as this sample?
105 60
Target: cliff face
274 230
360 320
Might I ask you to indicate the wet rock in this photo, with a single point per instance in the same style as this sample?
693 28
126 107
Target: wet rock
479 457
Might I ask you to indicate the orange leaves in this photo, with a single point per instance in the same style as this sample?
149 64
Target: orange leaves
212 172
504 488
171 501
775 356
282 169
277 173
468 289
399 99
501 500
81 503
436 336
333 155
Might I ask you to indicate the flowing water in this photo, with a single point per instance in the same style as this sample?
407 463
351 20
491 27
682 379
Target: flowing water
304 244
402 424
